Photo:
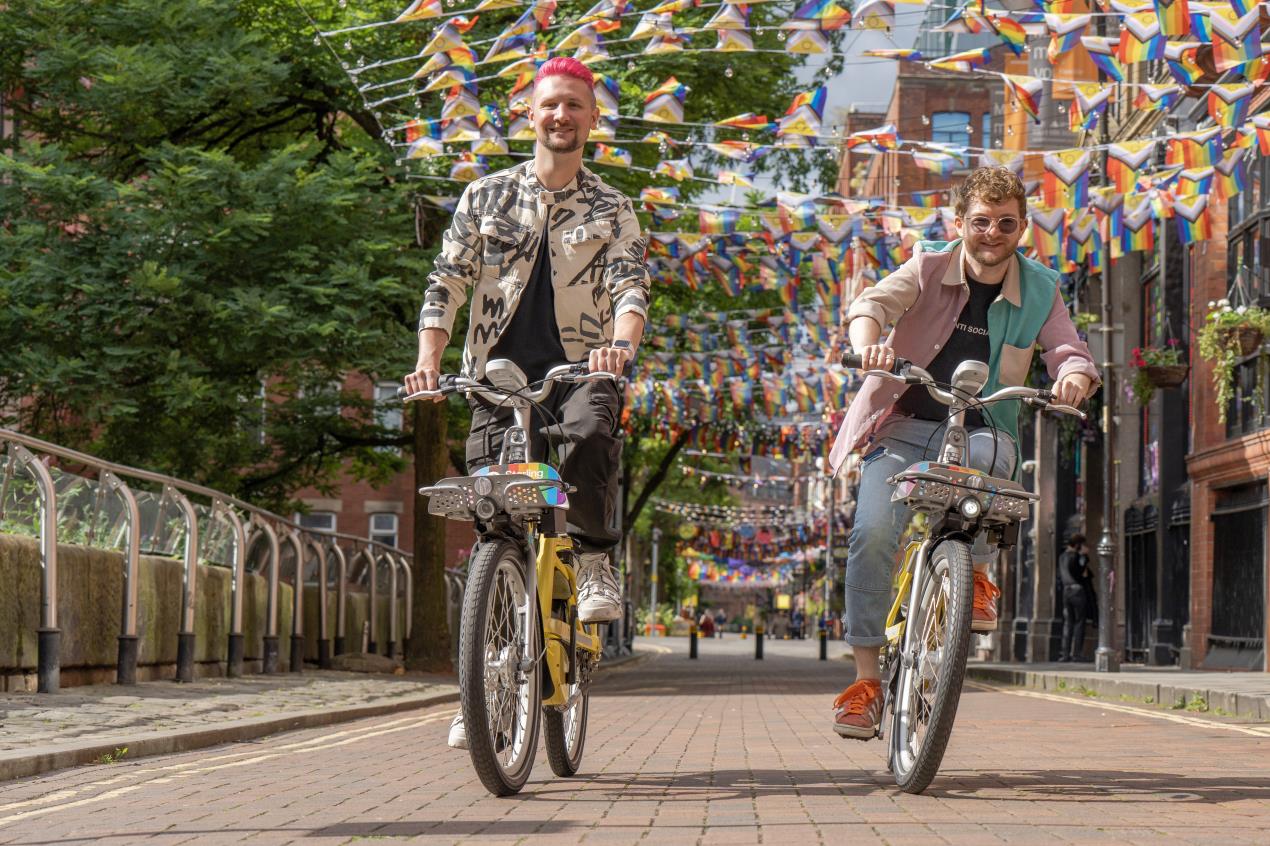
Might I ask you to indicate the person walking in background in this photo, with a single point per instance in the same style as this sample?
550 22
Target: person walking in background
1074 575
720 619
706 624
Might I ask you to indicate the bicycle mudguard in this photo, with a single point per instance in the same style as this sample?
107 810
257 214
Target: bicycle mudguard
533 488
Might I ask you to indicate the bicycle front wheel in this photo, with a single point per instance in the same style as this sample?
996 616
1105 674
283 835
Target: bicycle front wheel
501 700
929 687
565 732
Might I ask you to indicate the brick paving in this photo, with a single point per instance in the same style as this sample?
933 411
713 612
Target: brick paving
721 750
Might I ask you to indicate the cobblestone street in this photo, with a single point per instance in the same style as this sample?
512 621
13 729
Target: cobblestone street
720 750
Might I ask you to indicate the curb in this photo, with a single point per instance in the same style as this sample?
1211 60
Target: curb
42 759
1240 705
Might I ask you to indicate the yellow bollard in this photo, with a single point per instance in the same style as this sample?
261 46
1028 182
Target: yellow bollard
744 629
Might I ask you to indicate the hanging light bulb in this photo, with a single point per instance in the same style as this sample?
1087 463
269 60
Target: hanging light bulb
728 72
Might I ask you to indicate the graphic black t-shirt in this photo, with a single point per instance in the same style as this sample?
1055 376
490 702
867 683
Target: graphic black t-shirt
968 342
532 337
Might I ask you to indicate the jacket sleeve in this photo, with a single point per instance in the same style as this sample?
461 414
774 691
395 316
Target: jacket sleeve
455 270
887 301
626 274
1063 351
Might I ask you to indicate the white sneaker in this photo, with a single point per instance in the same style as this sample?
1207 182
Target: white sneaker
599 596
458 733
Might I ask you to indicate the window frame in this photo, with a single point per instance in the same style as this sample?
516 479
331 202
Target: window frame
376 534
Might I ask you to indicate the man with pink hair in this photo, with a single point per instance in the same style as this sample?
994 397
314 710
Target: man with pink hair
554 262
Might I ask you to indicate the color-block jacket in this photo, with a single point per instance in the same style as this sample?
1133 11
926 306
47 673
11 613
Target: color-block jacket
597 260
924 298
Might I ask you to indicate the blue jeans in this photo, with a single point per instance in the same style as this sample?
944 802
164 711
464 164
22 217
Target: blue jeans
875 536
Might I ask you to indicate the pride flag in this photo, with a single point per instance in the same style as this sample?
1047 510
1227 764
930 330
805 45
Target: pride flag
1066 181
1102 52
826 14
1231 174
1125 159
1180 56
1065 32
1228 103
1152 98
665 103
749 120
613 156
1140 40
1174 17
1236 36
1193 221
1026 91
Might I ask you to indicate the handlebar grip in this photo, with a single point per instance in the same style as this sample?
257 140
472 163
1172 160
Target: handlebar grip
856 362
402 392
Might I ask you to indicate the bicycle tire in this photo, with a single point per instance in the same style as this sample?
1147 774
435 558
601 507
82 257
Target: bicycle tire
490 588
953 558
564 756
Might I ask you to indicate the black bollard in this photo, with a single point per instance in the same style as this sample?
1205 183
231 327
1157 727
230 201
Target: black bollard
324 653
269 658
758 642
297 654
185 656
692 641
234 658
824 645
48 660
126 667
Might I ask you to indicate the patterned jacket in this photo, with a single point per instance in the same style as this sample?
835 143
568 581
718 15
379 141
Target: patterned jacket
597 260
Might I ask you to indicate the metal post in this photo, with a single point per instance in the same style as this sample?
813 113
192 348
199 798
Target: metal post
373 615
758 641
189 592
368 625
692 640
324 640
297 605
824 641
407 623
341 597
234 653
269 662
652 602
126 664
393 644
49 636
829 568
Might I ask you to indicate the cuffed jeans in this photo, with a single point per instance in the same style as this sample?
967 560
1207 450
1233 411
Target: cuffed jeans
875 537
590 452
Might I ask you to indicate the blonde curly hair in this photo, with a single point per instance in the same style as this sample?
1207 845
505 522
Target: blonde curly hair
991 185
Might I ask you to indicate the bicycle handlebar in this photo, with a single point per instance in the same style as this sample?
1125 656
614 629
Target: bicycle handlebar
451 384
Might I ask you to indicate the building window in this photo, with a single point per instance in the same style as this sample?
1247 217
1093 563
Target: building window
322 521
950 128
383 529
388 410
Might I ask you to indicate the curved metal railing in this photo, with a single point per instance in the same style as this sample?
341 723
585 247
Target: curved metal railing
213 527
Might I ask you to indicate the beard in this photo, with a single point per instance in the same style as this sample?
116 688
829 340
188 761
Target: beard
570 145
989 258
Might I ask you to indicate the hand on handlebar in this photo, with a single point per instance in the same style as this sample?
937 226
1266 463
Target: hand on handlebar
1072 389
609 360
426 377
877 357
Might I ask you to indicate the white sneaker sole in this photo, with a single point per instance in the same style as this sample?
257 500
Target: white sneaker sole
600 616
855 733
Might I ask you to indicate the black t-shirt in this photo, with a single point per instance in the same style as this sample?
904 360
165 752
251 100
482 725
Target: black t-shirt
968 342
531 339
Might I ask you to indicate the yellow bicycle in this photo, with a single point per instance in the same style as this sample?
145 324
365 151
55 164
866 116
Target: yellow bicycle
524 658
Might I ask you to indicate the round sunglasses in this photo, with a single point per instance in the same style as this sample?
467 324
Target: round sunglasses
980 225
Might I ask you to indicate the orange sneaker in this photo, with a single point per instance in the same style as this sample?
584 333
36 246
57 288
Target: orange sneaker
985 614
857 711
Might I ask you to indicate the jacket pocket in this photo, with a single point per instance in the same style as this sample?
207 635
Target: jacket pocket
1014 364
583 241
503 243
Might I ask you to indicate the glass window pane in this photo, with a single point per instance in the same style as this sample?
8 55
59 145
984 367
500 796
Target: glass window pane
323 521
383 528
950 127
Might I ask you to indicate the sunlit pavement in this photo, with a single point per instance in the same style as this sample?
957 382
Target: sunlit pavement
723 749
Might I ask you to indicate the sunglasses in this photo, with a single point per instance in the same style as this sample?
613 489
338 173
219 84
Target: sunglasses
1005 225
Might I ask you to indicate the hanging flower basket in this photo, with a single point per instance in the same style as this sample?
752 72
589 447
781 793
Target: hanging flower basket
1229 334
1166 375
1249 339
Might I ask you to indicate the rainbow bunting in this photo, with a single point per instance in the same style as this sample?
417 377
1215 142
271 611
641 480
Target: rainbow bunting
1102 52
468 167
461 57
734 41
807 42
1232 174
1009 159
1228 103
825 14
1152 98
731 177
1236 37
613 156
749 120
460 102
1084 246
1065 32
965 61
1047 233
1182 61
447 37
652 24
729 16
605 10
1193 220
659 196
877 140
941 164
741 151
927 199
1026 91
1137 226
1066 180
897 53
1262 125
1010 31
1195 149
1174 17
420 10
1140 39
1089 103
676 169
1194 181
804 114
1125 159
665 103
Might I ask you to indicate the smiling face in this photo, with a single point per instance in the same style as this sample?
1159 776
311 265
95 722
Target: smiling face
563 113
991 231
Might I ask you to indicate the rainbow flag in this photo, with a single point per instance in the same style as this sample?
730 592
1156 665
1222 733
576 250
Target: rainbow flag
1066 180
1137 226
1228 103
940 164
813 99
448 36
1102 52
1236 37
749 120
659 196
1125 159
731 177
1010 31
875 140
613 156
1065 32
734 41
1180 56
1089 103
1174 17
1140 40
722 222
665 103
1231 174
1083 242
468 167
1193 220
1194 181
420 10
1026 91
1195 149
964 61
1153 98
1047 231
730 16
897 53
827 14
807 42
676 169
1261 123
927 199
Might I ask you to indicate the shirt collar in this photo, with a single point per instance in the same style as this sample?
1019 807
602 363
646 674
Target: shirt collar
956 274
536 188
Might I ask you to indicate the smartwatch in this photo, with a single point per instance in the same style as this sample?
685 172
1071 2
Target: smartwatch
622 344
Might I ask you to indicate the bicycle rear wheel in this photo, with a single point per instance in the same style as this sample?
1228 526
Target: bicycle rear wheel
929 688
564 732
501 702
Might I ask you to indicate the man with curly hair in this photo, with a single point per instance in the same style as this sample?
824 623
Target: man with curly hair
975 298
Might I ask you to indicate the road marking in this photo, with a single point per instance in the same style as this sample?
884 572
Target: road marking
167 772
1256 731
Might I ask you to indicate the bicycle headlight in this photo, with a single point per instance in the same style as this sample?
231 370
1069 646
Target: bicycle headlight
970 507
486 508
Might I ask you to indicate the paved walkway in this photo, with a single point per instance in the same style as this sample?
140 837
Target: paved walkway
720 750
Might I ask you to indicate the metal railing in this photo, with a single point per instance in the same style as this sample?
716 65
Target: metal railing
232 531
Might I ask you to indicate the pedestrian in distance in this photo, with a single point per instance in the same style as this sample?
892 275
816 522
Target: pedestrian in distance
1074 576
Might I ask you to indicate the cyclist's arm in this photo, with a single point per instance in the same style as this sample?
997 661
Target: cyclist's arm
1065 355
884 303
626 273
456 269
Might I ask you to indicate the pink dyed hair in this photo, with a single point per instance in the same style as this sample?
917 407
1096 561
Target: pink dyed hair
565 66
